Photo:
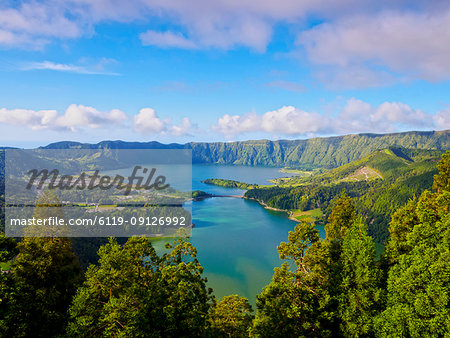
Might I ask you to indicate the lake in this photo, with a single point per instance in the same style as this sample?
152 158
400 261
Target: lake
237 239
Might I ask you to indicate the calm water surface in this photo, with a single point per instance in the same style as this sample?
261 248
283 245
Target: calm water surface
236 239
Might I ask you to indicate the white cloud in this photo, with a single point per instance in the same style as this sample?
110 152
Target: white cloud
40 119
362 41
185 128
286 120
33 23
75 117
359 116
442 119
148 122
214 23
70 68
413 44
355 117
79 116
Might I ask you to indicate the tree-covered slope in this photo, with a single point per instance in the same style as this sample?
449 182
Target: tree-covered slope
329 152
326 152
400 174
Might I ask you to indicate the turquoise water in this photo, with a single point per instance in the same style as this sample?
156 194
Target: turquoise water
236 242
237 239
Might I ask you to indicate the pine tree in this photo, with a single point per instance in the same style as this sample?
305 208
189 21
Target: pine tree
135 293
43 279
232 317
328 287
290 304
418 302
360 292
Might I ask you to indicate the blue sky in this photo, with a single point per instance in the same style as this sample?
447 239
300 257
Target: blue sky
220 70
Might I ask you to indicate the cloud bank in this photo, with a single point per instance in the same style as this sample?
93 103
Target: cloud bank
355 117
356 43
75 117
414 44
78 118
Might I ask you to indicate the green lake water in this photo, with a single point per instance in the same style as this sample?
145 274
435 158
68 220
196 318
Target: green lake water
236 239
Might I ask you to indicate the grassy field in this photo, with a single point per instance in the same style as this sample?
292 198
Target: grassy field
5 266
297 171
306 216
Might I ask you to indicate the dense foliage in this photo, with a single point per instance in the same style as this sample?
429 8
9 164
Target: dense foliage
199 195
229 183
395 175
133 292
331 287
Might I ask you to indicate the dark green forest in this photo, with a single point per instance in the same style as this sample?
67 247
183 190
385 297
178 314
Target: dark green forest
331 287
229 183
378 184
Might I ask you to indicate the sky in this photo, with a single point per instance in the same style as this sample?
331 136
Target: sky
220 70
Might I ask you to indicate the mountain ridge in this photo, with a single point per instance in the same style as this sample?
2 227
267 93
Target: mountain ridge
318 152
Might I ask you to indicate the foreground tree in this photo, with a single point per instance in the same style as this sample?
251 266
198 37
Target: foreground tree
135 293
295 302
232 317
8 249
42 282
418 302
359 301
328 287
43 279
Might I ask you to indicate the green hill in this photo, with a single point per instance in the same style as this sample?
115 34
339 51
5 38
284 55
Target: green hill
385 164
379 183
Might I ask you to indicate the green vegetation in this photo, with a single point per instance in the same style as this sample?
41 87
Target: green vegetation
307 216
133 292
198 195
379 184
297 171
330 152
335 287
417 255
232 317
327 287
44 276
37 293
331 287
230 183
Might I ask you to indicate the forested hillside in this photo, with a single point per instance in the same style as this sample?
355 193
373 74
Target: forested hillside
327 152
379 184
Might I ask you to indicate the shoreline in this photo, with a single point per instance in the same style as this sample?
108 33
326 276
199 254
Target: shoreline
265 206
